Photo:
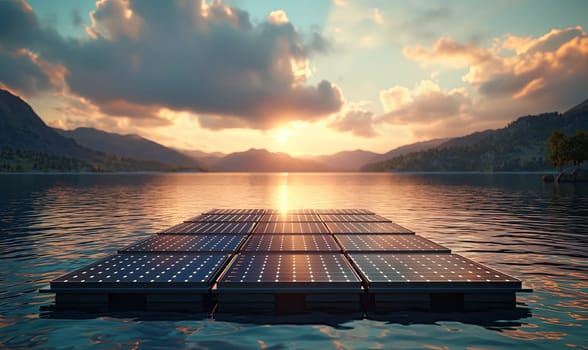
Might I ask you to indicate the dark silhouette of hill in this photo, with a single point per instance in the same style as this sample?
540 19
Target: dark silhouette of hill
28 144
205 159
410 148
22 129
520 146
129 146
345 160
261 160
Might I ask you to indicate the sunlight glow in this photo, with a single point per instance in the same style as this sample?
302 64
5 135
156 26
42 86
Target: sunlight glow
281 135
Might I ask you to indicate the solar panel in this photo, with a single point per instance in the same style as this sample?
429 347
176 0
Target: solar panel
428 270
391 243
291 243
187 243
366 227
197 228
353 218
146 271
235 211
225 218
344 211
290 218
290 211
306 271
290 227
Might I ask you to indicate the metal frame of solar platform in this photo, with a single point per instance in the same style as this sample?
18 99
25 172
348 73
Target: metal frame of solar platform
270 260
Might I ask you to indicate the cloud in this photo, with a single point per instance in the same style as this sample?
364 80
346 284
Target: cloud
358 122
548 71
551 68
447 51
426 103
208 59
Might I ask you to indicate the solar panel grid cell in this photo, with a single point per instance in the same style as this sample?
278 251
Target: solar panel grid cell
290 218
344 212
241 228
235 211
353 218
387 242
301 211
291 243
366 228
290 228
287 268
187 243
390 269
225 218
144 270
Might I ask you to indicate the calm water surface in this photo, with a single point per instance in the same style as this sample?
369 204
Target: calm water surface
52 224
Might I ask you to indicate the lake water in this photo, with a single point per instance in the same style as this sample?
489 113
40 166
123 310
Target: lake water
52 224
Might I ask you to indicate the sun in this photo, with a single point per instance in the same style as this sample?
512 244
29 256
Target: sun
282 135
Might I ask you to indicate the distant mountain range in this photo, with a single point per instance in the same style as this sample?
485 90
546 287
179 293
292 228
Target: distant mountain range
261 160
128 146
26 143
520 146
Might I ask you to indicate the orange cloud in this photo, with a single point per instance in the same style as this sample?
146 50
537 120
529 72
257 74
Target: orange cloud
448 52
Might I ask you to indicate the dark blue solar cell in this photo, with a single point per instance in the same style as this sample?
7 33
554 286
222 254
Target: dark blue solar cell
366 228
241 228
389 243
290 227
291 243
146 271
308 271
388 270
187 243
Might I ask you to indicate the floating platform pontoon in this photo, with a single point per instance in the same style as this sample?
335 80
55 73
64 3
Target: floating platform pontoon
266 260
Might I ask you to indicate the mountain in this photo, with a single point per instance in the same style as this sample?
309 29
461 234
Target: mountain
28 144
413 147
128 146
207 160
261 160
22 129
345 160
520 146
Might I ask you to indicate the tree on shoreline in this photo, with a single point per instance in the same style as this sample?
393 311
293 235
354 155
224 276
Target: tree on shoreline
563 149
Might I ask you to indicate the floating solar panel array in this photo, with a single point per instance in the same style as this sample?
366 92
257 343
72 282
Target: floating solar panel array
266 252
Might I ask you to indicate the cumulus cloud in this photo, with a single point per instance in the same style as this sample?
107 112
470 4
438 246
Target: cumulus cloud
209 59
358 122
551 68
448 51
426 103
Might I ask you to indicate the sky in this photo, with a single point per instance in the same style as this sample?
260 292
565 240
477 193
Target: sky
306 77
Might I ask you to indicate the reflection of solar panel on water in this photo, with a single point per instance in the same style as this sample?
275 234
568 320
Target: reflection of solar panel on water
287 261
